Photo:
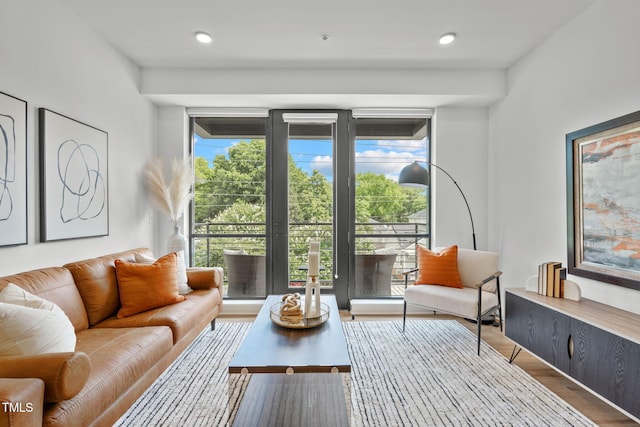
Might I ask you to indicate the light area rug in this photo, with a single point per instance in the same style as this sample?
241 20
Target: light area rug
430 375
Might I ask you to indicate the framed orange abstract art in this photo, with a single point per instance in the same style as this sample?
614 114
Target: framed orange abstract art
603 201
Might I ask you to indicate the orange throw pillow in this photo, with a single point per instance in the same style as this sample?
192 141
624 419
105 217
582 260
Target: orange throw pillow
438 268
146 286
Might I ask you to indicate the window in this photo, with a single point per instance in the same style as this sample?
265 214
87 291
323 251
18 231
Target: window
266 187
229 208
390 219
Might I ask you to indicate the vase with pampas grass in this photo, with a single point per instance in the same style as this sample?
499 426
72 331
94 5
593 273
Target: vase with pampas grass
172 197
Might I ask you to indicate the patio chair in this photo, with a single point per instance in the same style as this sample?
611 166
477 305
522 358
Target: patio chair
373 274
246 274
474 295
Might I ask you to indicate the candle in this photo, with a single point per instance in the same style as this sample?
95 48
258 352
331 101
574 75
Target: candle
314 260
314 247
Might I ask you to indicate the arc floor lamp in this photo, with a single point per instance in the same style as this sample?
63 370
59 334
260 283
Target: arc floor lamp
414 175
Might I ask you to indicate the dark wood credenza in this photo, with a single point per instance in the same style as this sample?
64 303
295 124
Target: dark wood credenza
594 344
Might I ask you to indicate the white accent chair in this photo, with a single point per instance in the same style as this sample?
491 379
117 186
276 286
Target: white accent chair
479 296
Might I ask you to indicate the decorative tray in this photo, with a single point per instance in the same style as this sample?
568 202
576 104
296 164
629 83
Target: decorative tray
298 324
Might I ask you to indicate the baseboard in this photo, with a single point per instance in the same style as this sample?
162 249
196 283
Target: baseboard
241 307
383 307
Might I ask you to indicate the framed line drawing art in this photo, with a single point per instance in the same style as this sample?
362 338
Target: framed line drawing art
603 201
74 193
13 170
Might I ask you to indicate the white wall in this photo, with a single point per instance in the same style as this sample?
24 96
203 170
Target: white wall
460 147
51 59
173 142
586 73
322 88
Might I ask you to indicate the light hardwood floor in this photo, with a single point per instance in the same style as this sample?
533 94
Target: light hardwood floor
591 406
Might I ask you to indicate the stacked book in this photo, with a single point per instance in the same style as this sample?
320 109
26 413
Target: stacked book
551 278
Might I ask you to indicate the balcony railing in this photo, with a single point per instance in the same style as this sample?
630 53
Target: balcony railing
211 240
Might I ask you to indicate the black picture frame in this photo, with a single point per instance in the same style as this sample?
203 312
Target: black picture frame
603 201
13 171
74 178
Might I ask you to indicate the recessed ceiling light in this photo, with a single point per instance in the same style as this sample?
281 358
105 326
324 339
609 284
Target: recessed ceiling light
324 37
203 37
447 38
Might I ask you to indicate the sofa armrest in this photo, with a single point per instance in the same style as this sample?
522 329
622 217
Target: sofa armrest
205 277
21 402
64 374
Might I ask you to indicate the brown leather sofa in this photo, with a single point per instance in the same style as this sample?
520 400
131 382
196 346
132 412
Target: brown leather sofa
115 360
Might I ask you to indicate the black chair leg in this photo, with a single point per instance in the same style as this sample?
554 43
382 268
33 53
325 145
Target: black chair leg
213 324
479 316
404 315
479 330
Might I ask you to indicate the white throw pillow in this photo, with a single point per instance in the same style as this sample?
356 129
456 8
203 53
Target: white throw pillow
32 325
181 270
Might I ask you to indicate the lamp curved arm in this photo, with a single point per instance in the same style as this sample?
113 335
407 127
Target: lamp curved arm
414 175
473 229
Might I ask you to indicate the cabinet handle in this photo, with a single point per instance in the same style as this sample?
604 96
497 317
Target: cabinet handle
570 346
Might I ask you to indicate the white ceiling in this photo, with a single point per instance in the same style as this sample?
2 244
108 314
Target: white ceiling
363 34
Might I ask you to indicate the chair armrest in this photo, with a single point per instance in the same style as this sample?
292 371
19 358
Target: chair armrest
489 279
64 374
406 276
205 277
21 402
406 273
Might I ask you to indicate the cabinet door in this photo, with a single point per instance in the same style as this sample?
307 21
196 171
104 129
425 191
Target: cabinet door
540 330
607 364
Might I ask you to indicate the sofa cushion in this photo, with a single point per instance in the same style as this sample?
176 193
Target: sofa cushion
146 286
460 301
32 325
97 283
119 358
181 318
438 268
475 266
54 284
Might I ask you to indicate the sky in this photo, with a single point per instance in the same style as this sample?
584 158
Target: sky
386 157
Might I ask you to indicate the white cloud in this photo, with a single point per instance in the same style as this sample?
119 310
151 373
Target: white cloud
324 164
388 163
410 145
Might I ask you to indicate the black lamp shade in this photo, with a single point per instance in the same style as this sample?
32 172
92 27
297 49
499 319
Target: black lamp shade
414 175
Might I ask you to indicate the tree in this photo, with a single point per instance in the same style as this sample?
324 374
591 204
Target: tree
230 199
310 197
204 190
238 177
384 200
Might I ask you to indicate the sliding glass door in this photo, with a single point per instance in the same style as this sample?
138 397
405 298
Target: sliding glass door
310 198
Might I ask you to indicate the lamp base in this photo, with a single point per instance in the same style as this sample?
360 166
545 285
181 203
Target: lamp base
489 319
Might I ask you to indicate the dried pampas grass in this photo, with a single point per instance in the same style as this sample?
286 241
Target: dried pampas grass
171 196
